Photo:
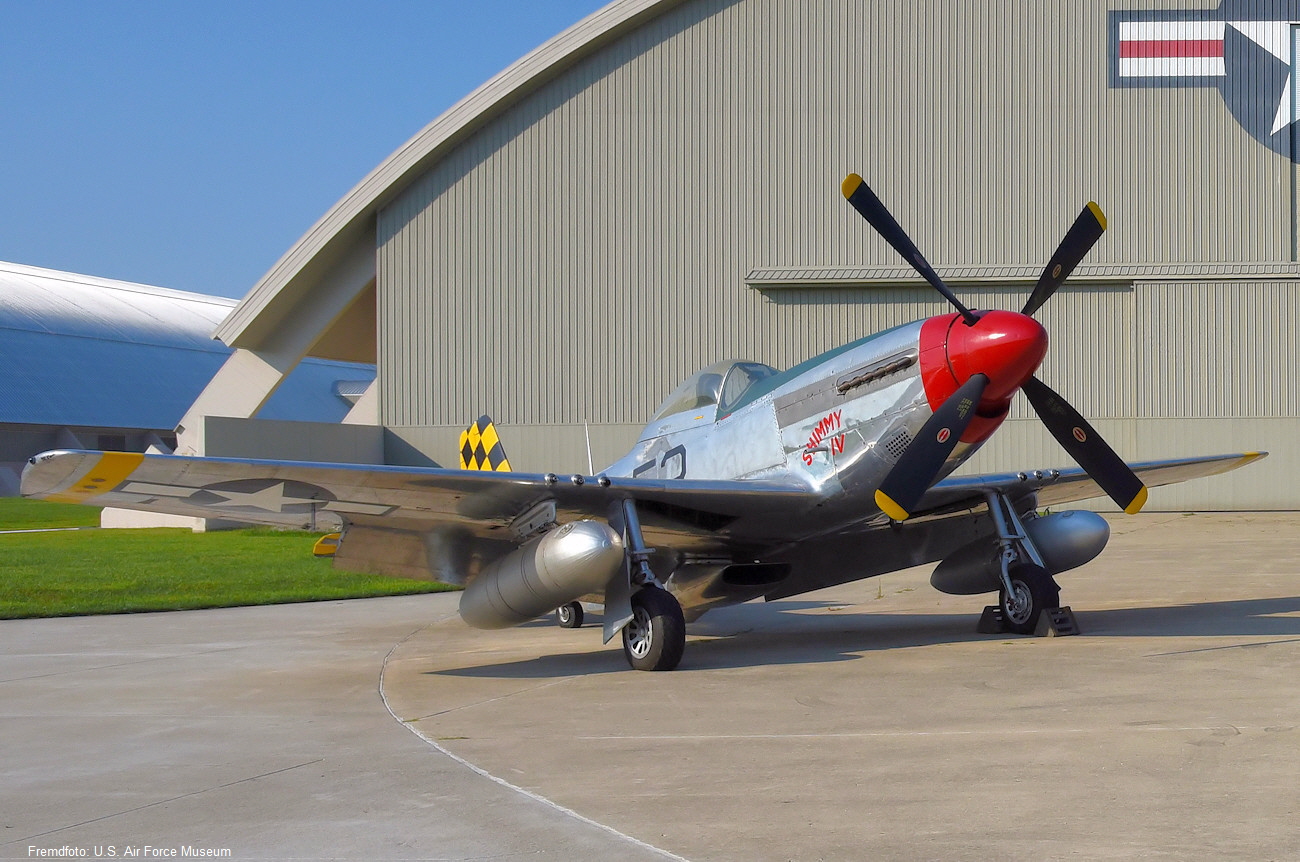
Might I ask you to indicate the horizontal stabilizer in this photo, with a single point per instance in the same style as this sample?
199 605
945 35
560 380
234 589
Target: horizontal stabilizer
481 449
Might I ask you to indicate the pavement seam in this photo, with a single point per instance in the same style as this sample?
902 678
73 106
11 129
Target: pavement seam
93 668
478 703
1221 648
536 797
163 802
904 734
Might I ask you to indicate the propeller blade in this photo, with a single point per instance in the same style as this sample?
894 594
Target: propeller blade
1079 239
915 472
864 200
1085 445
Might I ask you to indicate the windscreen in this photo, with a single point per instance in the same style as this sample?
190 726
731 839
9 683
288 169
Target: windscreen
723 381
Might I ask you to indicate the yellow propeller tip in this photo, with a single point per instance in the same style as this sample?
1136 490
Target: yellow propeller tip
890 508
850 185
1136 504
1097 214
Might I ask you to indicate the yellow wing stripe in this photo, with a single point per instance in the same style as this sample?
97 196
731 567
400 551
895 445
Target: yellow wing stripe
107 474
481 449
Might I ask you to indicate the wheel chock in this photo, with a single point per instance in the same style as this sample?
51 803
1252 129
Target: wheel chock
1052 623
991 621
1056 623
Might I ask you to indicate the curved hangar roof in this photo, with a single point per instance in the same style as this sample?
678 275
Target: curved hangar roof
82 351
351 221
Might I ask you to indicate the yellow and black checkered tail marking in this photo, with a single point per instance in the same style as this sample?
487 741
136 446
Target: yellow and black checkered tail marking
481 449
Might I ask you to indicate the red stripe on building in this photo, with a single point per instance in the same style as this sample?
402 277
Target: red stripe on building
1171 48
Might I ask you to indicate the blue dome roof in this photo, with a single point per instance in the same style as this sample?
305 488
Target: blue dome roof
80 351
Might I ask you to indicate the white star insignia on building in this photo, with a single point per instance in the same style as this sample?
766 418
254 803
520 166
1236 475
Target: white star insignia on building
1275 38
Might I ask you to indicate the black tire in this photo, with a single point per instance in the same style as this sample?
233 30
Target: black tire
1035 591
656 637
569 616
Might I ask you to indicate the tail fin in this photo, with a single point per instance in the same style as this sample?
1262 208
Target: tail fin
480 447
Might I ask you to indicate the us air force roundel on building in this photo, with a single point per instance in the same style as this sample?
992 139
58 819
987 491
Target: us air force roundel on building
1244 48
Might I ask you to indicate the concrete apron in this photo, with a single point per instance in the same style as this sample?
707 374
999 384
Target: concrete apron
871 721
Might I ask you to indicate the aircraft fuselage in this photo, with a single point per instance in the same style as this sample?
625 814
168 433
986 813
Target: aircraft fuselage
839 422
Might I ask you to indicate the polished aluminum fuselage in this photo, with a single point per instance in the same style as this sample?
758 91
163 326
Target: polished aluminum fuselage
835 424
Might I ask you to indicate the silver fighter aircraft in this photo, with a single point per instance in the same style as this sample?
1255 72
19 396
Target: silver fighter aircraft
748 482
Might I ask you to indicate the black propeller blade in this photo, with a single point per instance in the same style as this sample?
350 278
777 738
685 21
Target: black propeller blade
917 469
1081 237
1087 448
864 200
920 464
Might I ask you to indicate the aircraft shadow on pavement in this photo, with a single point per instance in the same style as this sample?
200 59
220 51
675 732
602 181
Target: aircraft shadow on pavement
803 632
1277 617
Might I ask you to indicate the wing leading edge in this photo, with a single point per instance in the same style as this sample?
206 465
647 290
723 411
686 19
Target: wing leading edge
1055 487
326 496
434 522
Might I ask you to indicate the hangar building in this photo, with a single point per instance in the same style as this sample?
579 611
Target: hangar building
93 363
658 188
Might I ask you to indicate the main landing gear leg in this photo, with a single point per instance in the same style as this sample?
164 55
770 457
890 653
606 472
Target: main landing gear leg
650 618
1028 590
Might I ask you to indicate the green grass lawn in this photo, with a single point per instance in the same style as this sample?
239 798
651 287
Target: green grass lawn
121 571
17 513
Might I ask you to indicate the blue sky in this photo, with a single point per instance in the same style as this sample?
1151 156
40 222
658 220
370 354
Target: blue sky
189 145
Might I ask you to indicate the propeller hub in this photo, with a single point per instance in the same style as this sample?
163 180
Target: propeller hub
1004 346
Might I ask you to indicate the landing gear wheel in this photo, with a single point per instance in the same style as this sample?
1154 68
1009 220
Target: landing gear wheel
656 636
1032 592
569 616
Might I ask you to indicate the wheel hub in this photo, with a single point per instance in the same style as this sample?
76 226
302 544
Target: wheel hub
1019 602
639 633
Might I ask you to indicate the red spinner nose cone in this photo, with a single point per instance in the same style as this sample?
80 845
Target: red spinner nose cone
1005 346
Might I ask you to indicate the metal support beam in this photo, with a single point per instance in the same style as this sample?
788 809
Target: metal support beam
261 363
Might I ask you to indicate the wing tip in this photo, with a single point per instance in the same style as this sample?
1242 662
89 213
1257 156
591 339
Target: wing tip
89 475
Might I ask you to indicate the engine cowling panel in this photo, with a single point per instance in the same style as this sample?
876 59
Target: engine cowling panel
1065 540
559 566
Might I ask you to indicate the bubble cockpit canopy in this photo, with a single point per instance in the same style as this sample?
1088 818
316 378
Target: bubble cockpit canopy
721 385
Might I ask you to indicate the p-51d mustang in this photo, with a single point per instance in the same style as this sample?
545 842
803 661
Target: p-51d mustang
748 482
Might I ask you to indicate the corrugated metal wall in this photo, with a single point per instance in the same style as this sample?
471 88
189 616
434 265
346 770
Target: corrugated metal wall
589 248
1223 349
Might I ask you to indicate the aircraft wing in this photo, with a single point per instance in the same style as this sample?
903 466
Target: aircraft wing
950 515
326 496
1054 487
434 522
